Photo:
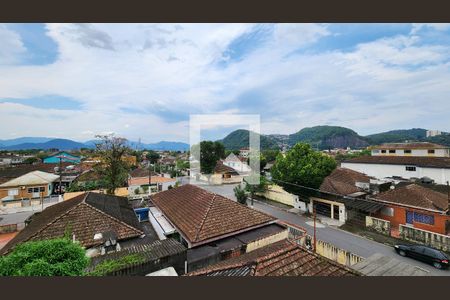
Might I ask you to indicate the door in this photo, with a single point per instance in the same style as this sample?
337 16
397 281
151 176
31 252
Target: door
323 209
336 212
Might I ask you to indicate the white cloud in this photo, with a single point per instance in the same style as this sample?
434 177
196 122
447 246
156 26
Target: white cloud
11 46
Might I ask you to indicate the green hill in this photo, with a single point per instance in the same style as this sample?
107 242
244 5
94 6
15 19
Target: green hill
240 139
398 136
324 137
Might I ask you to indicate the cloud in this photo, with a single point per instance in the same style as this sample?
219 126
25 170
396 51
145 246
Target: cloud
144 80
11 46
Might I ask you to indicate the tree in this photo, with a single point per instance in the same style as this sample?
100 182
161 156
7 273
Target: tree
31 160
270 155
57 257
112 168
240 194
252 188
302 166
210 153
152 156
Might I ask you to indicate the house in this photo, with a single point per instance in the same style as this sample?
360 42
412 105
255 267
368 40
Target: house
157 183
431 133
35 184
237 163
213 227
90 218
421 149
244 152
408 167
63 157
415 206
342 196
9 159
283 258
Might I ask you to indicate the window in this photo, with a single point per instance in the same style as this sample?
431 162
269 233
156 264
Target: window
383 151
391 151
410 168
14 192
431 151
376 151
41 189
423 218
407 151
387 211
30 190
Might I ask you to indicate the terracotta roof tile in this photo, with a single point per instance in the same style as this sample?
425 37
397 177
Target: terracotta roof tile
221 168
342 181
416 195
201 215
282 258
84 215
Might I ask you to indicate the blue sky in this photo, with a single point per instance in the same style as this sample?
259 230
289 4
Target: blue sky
145 80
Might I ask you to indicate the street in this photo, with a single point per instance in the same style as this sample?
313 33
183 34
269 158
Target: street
342 239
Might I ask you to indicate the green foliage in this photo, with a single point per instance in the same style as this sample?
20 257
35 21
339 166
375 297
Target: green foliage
57 257
325 137
340 157
303 166
270 155
210 153
240 194
108 266
261 187
152 156
397 136
113 169
31 160
240 139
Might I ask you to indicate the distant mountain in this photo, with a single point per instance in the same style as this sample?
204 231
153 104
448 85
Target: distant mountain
240 139
24 140
324 137
61 144
398 136
168 146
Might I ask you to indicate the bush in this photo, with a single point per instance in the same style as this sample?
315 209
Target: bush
57 257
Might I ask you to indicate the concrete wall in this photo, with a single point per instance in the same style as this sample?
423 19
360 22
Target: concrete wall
267 241
414 152
435 240
439 175
379 225
336 254
23 193
278 194
342 211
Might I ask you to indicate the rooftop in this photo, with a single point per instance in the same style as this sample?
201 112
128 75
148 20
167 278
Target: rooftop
379 265
202 216
430 162
144 180
416 145
221 168
141 172
417 196
342 181
84 215
283 258
32 178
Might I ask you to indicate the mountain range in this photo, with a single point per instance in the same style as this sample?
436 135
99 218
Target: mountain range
319 137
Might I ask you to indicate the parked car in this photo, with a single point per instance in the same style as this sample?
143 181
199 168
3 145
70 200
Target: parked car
426 254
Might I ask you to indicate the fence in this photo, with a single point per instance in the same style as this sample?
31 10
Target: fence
337 254
429 238
379 225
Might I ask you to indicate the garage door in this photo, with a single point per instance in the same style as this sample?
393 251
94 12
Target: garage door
323 209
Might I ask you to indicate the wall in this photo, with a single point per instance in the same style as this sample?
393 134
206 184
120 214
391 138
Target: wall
379 225
342 212
336 254
267 241
414 152
399 218
23 193
439 175
438 241
278 194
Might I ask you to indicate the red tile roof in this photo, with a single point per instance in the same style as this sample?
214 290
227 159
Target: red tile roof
222 169
144 180
201 216
342 181
282 258
84 215
417 196
430 162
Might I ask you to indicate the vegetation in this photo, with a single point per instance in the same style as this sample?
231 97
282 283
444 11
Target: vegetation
210 153
152 156
397 136
302 166
31 160
341 157
270 155
112 168
108 266
240 194
240 139
57 257
252 189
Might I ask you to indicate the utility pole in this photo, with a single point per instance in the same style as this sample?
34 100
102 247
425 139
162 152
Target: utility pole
60 174
448 197
314 216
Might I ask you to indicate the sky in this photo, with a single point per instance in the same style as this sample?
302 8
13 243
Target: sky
145 80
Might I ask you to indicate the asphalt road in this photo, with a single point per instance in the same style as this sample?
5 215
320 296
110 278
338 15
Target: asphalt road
340 238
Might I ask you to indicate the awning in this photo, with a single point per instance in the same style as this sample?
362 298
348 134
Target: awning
364 205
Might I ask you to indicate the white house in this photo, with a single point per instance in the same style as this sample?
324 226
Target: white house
411 149
240 165
10 159
436 168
